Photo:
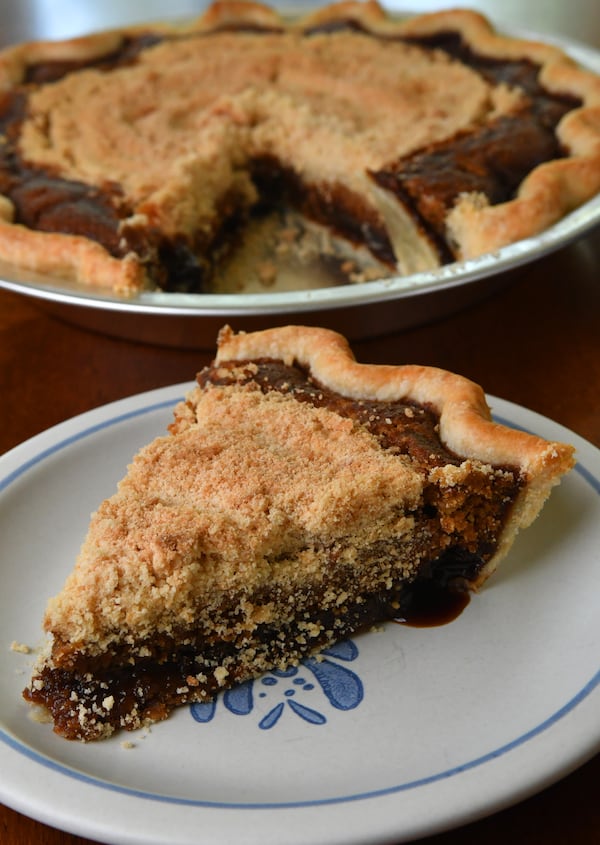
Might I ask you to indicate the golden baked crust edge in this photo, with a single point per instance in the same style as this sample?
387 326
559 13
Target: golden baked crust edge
466 425
465 422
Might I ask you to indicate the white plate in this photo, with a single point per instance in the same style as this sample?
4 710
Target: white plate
405 732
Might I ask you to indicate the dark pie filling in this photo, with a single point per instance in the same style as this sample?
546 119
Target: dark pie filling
41 73
50 204
492 159
456 533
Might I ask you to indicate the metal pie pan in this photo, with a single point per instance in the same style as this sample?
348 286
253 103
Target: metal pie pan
362 310
359 310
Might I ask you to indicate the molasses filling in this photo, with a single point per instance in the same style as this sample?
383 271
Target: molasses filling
405 428
331 205
150 688
177 248
52 204
408 428
492 161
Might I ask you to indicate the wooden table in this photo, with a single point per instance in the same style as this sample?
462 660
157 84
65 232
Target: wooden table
536 343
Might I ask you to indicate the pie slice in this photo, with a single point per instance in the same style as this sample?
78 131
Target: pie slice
136 159
299 497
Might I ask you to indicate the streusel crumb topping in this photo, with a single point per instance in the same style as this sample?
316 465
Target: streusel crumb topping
306 477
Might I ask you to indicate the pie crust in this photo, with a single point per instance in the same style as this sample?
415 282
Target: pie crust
298 498
128 156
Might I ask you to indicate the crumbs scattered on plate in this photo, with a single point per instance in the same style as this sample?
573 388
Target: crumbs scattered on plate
21 648
40 715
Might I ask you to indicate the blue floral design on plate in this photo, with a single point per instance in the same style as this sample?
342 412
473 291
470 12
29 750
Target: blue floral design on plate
341 687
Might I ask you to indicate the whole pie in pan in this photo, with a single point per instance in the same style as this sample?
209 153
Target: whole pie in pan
135 159
298 498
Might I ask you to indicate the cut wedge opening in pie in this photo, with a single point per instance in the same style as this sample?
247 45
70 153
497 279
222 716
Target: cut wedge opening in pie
148 157
299 497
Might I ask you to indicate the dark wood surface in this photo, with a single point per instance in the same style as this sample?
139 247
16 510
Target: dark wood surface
536 343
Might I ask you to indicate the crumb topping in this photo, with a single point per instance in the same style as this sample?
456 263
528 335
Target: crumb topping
185 119
240 494
21 648
347 86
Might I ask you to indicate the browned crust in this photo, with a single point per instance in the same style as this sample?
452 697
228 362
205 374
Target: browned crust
225 12
465 419
474 227
465 426
69 257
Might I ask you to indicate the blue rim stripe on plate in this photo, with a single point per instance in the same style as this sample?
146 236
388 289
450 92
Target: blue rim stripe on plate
80 435
35 756
342 799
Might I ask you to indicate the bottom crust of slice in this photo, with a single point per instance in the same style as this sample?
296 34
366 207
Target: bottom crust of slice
91 705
